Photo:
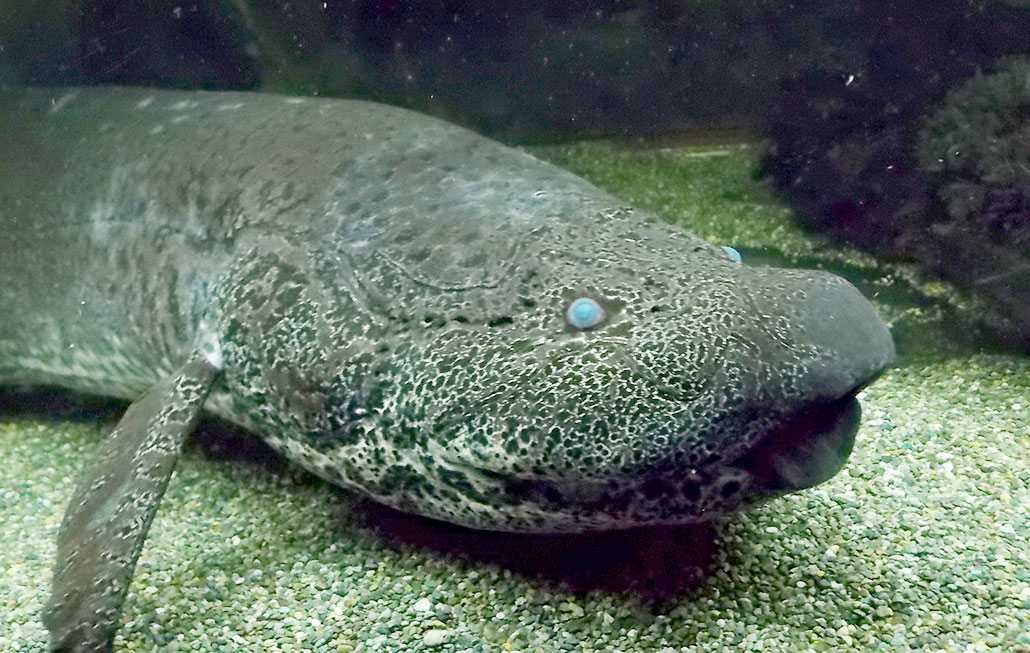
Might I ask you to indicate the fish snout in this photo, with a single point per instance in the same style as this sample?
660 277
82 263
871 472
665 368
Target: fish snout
844 346
853 344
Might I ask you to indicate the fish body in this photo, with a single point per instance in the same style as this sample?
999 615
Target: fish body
406 309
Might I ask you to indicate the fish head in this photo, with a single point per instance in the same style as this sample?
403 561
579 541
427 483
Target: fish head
583 375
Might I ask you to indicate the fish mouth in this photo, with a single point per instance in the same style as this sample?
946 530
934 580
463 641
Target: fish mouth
806 449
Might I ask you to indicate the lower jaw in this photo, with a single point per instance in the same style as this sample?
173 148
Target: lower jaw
806 450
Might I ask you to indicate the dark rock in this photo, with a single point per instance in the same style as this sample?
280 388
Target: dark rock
846 151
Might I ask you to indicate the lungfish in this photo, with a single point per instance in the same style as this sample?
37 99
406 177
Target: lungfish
405 308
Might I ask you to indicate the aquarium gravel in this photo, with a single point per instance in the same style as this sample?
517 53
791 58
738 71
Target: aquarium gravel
922 543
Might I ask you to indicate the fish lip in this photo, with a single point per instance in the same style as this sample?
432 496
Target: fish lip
807 448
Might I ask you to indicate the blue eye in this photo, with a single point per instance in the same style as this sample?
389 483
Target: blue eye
584 313
732 253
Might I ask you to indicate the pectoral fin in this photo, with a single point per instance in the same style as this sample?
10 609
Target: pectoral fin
110 513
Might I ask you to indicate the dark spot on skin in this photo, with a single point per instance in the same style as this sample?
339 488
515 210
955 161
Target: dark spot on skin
620 502
692 490
729 489
654 488
532 491
458 481
504 320
401 477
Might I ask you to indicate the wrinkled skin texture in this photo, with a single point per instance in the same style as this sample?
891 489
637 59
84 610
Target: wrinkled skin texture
387 294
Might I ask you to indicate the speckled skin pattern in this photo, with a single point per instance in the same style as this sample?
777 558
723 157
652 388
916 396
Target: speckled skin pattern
387 293
109 515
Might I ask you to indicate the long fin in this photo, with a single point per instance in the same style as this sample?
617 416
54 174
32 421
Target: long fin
110 513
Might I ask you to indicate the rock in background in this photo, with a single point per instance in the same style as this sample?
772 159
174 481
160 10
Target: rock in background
874 149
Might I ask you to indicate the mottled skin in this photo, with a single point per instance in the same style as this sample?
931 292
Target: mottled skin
383 298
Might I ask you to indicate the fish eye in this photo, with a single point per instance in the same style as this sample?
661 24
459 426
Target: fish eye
732 253
584 313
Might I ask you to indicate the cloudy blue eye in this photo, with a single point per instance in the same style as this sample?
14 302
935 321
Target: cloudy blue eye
584 313
732 253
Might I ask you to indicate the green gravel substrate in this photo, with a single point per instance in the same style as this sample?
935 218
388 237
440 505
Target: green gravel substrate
922 543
